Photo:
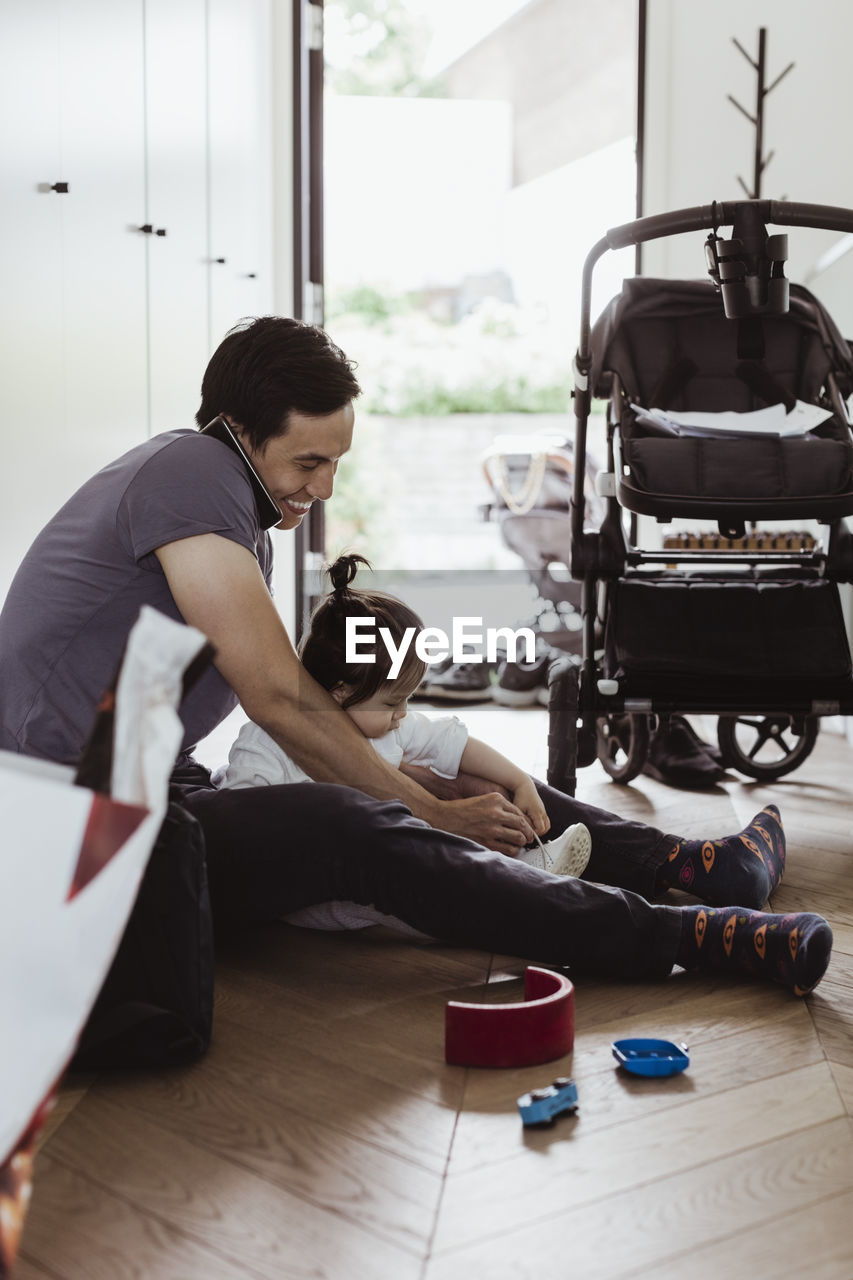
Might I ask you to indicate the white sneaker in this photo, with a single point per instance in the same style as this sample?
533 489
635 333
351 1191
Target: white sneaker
567 855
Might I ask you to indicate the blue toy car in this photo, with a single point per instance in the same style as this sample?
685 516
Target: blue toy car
542 1106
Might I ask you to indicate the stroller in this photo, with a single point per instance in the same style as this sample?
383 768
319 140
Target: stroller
726 403
532 477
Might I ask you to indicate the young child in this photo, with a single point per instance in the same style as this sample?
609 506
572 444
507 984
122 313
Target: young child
378 707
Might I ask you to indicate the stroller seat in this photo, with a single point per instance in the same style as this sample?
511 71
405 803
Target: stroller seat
667 345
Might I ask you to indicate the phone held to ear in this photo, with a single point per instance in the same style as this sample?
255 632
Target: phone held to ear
269 512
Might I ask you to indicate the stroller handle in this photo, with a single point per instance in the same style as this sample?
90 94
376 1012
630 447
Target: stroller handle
785 213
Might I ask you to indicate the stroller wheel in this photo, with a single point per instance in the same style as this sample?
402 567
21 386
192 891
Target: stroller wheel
623 745
563 724
766 747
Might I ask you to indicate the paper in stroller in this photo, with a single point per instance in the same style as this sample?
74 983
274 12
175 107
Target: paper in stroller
71 862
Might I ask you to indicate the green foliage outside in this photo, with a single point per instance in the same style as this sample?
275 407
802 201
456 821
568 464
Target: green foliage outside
369 304
376 47
427 398
413 363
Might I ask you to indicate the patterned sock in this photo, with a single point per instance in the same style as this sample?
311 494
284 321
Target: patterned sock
792 950
743 868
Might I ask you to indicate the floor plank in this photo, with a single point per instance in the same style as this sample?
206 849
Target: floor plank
26 1269
526 1189
632 1232
76 1230
815 1241
72 1090
843 1077
222 1206
371 1187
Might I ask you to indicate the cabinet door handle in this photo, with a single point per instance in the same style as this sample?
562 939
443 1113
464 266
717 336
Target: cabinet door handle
146 228
61 188
161 231
221 260
251 275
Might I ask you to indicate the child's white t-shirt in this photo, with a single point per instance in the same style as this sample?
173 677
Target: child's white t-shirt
256 760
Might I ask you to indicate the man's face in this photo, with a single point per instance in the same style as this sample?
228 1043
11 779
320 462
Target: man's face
299 467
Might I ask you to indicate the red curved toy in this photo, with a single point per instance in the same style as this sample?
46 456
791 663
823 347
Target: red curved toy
513 1035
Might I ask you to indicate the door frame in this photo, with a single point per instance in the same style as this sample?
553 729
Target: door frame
308 253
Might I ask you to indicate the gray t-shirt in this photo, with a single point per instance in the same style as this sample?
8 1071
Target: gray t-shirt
80 587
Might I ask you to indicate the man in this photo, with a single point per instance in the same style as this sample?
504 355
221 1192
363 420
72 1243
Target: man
176 523
173 524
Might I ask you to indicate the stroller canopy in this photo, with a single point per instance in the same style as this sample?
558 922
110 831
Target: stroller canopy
671 345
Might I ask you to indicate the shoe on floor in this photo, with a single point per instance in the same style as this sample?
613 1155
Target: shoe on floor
679 757
710 748
521 684
460 682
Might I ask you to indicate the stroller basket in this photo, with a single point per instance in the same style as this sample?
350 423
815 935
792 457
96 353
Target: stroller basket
725 627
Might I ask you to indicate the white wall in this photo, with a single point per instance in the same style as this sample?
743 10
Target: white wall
419 194
553 222
105 332
415 189
696 142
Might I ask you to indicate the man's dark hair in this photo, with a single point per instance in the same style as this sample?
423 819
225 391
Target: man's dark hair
267 368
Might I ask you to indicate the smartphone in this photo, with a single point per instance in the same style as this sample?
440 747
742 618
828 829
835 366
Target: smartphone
269 512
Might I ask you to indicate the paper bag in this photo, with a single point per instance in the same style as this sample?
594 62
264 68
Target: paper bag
71 861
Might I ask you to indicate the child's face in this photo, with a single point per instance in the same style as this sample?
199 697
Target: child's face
380 713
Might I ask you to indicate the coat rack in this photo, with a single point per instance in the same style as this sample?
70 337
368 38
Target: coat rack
760 161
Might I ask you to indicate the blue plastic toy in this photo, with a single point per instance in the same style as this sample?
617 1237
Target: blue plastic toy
542 1106
651 1057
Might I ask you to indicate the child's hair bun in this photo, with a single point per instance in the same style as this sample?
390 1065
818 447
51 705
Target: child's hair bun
343 571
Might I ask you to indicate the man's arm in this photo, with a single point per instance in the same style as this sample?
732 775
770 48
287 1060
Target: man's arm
218 588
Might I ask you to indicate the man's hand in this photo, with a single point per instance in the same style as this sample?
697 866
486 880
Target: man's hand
496 824
489 820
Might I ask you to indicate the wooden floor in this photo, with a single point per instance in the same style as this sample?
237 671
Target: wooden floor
323 1135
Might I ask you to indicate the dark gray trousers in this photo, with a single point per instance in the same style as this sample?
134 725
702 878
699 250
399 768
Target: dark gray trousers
273 850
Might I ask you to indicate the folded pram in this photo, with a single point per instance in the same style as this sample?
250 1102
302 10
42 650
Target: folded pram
532 477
